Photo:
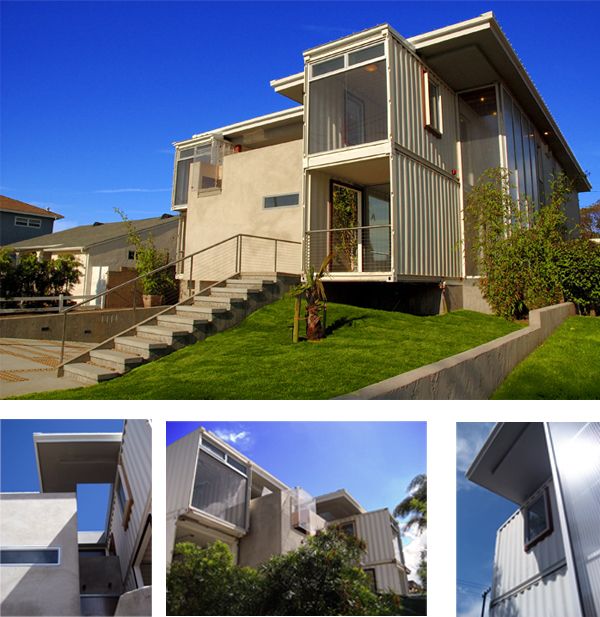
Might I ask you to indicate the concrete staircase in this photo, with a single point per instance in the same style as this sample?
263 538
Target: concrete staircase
203 315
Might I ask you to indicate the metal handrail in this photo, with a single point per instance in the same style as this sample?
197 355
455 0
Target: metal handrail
237 237
331 229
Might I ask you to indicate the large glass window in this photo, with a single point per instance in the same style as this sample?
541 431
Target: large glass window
576 449
348 108
220 490
538 520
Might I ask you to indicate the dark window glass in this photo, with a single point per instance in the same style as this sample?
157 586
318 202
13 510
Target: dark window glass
237 465
434 107
537 522
182 181
372 581
369 53
209 446
122 497
326 67
348 528
293 199
25 556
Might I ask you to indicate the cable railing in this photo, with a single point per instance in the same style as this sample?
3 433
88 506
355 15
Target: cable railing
355 249
182 279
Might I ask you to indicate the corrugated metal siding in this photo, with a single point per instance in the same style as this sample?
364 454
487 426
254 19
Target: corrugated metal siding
514 567
408 114
376 530
181 465
550 597
388 577
136 458
428 224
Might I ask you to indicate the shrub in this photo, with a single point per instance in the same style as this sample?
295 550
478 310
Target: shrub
525 258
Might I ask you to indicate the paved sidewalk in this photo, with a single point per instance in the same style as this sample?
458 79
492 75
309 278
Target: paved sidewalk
29 365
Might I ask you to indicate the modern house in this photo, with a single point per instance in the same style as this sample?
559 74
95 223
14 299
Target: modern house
101 248
388 136
22 221
215 493
547 559
47 567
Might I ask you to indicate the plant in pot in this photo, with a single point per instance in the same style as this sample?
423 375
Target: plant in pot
313 291
157 280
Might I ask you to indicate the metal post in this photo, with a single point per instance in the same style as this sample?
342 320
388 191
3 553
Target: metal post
190 276
484 596
134 300
64 335
60 302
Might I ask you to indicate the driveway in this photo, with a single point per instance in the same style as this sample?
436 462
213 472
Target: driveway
29 365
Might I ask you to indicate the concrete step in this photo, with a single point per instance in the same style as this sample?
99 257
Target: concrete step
163 333
201 311
218 302
89 373
241 286
144 347
254 280
232 293
188 322
116 360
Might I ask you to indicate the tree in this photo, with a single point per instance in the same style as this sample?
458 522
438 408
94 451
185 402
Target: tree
589 226
414 504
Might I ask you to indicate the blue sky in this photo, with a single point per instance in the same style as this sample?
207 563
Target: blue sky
479 514
93 94
18 469
373 461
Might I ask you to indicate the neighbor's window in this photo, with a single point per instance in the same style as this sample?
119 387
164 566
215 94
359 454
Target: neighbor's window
538 520
348 528
24 221
30 556
124 496
433 104
131 255
372 579
281 201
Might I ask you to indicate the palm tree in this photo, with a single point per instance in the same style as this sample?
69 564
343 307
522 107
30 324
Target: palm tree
414 504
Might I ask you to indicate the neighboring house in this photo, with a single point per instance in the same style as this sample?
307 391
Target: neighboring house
47 567
102 247
21 221
216 493
390 135
547 559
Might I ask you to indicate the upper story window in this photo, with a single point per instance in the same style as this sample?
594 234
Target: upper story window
282 201
433 104
348 528
347 104
199 168
30 556
538 520
25 221
124 497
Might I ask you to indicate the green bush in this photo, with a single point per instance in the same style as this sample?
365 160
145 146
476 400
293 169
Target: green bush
525 257
321 577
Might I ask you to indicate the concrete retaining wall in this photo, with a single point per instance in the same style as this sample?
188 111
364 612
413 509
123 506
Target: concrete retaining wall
134 603
472 374
85 326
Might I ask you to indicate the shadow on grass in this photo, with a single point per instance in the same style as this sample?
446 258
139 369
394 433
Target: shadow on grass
343 321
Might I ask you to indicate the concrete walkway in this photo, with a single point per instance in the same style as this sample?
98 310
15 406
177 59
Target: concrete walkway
28 365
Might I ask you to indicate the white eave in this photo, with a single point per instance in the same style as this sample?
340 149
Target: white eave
483 35
231 130
291 86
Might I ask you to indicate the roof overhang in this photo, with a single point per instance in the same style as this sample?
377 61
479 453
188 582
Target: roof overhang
44 214
68 459
291 86
337 505
513 462
475 53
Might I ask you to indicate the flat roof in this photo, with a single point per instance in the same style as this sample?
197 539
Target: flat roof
476 52
65 460
337 504
513 462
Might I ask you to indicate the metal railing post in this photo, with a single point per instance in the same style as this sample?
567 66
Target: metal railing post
134 300
60 302
64 335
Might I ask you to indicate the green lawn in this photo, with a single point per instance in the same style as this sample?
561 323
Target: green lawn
565 366
257 359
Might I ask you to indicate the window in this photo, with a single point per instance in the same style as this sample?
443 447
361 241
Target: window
348 528
30 556
124 496
538 520
131 255
372 579
282 201
433 105
24 221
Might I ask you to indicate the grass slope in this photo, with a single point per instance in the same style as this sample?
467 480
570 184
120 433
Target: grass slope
565 366
257 359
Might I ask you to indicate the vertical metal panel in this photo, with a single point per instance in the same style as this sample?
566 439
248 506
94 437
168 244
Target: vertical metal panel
408 112
515 569
428 229
181 466
388 577
375 529
136 459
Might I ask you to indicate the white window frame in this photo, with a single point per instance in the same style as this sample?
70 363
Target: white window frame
346 64
25 221
436 130
31 548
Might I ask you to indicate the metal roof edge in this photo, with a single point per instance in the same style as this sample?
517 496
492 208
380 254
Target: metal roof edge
479 457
